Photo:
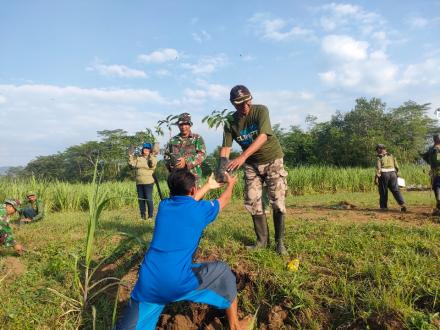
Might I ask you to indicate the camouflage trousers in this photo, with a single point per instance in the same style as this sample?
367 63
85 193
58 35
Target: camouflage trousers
6 237
275 177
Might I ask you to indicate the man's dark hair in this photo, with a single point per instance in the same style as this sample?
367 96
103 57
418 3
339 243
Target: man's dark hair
436 138
180 182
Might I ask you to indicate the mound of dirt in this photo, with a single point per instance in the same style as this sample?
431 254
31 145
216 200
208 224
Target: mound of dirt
343 205
185 315
14 267
391 320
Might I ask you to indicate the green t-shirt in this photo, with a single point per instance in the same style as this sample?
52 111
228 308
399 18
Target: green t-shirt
244 130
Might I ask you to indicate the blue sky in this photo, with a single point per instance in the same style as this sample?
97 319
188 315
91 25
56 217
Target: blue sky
71 68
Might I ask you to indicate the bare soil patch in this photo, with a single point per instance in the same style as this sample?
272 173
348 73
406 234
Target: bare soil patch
345 211
13 267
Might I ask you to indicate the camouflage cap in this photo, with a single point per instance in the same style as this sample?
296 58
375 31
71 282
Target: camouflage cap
12 202
380 146
239 94
184 118
31 193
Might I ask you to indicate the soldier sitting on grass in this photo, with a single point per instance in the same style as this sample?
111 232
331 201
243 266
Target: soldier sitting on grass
6 236
33 210
167 273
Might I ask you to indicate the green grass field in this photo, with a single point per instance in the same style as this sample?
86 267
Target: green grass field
359 268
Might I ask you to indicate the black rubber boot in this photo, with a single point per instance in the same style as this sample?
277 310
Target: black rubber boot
436 211
261 230
278 221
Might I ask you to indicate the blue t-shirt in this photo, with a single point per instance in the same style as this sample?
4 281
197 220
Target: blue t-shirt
166 272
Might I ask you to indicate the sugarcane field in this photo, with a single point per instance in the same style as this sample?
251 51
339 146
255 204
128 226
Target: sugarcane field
185 165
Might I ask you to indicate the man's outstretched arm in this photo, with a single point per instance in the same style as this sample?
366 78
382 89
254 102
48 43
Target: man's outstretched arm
226 196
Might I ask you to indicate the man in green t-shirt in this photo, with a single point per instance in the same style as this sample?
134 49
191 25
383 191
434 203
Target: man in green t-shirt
262 160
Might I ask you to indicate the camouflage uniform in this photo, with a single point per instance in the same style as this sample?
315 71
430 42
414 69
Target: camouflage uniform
191 148
9 218
6 236
275 176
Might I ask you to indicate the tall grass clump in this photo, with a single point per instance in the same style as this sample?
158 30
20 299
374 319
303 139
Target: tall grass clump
86 286
62 196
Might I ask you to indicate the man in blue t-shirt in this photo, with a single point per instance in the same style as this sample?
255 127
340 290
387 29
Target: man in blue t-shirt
167 273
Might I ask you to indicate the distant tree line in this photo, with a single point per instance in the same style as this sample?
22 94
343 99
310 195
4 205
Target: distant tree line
347 139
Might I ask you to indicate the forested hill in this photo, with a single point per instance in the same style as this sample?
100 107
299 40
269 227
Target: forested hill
347 139
4 169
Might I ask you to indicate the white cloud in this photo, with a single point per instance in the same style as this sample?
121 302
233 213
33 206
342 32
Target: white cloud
163 73
44 119
353 67
205 92
277 29
337 16
201 36
160 56
2 99
345 47
418 22
206 65
289 107
425 73
116 71
328 77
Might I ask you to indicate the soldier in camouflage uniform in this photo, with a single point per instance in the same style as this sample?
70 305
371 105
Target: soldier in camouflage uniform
186 149
262 159
33 210
387 171
432 157
10 211
6 236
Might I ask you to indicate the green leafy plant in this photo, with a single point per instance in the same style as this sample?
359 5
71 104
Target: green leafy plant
168 122
218 118
86 287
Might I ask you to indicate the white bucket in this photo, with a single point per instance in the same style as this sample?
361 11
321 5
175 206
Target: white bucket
401 182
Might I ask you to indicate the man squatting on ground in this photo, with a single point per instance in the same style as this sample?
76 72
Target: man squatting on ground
432 157
144 166
262 159
6 235
186 149
387 171
33 210
167 273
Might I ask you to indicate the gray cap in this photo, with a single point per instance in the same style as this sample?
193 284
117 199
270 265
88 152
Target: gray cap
380 146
